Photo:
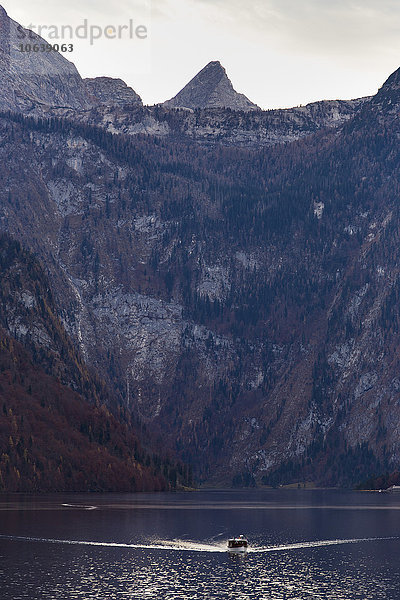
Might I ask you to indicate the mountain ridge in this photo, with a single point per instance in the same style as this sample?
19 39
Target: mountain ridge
239 294
187 268
48 84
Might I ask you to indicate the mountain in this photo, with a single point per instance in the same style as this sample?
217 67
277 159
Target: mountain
38 81
46 83
112 92
30 80
242 302
60 429
232 275
211 88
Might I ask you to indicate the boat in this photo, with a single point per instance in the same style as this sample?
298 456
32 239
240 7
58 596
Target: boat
238 545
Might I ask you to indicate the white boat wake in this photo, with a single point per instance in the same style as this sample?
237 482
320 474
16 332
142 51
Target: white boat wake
319 544
159 545
80 506
182 545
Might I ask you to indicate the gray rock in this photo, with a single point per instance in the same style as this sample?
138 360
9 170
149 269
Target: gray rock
221 126
211 88
31 79
112 92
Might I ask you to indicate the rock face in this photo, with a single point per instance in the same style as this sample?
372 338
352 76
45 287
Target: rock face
211 88
241 293
39 81
112 92
32 80
264 128
388 97
244 304
47 83
53 434
211 127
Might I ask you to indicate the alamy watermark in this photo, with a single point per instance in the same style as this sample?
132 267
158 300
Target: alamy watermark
85 31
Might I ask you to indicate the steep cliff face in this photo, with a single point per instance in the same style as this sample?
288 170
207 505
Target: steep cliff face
232 274
263 128
211 88
32 81
60 428
53 440
241 302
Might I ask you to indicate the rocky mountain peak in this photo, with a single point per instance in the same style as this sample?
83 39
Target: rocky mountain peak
211 88
393 81
36 81
215 68
391 85
31 80
387 101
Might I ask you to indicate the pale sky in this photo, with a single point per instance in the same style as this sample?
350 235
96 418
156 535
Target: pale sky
280 53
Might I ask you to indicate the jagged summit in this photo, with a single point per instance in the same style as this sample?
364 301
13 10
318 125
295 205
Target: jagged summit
388 96
393 81
211 88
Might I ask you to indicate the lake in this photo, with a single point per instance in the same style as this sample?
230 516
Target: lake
318 544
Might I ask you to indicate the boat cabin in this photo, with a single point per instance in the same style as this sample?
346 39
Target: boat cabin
239 542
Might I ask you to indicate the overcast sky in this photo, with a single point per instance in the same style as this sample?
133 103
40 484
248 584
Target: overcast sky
280 53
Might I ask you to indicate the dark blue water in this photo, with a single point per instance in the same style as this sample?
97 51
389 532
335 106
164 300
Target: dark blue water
304 545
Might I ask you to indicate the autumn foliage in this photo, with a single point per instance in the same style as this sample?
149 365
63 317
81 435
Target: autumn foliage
53 437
